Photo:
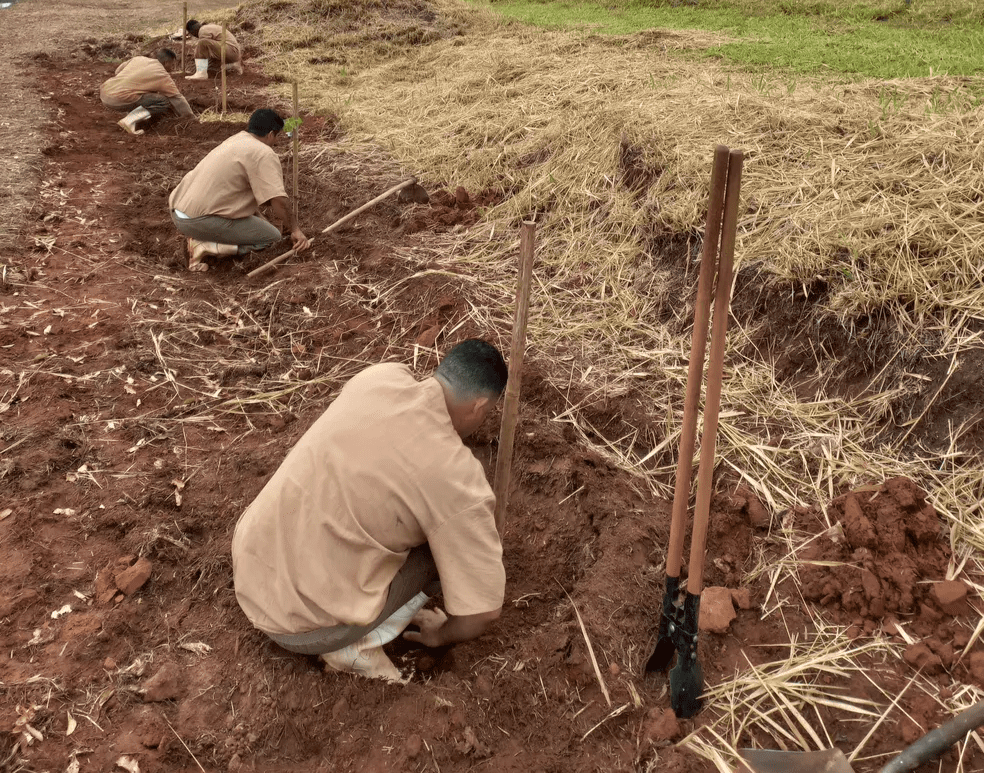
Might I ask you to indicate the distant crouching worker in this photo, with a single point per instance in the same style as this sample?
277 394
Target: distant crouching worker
209 46
143 87
216 205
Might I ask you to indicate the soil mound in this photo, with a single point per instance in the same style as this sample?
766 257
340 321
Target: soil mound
881 557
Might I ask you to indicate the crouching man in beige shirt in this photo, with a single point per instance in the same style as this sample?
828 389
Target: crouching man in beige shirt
377 507
216 205
143 87
209 47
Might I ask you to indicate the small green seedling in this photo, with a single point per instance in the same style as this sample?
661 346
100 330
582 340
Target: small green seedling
291 124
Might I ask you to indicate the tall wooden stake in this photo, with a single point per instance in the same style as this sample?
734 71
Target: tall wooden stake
296 141
184 37
510 408
222 65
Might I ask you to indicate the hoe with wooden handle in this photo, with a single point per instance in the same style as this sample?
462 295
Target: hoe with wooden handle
417 193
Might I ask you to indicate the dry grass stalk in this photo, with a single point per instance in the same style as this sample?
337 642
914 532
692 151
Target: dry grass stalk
874 198
594 660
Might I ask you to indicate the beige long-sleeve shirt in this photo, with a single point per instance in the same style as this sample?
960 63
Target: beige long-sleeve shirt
232 181
382 471
142 75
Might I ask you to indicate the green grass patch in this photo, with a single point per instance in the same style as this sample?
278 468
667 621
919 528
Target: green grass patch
881 40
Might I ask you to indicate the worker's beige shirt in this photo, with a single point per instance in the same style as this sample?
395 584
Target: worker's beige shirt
214 32
380 472
141 75
232 180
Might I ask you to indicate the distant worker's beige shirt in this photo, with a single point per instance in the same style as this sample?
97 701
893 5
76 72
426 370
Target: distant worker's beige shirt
380 472
141 75
214 32
232 181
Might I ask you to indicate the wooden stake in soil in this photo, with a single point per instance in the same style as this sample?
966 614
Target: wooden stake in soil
184 37
510 409
294 131
222 47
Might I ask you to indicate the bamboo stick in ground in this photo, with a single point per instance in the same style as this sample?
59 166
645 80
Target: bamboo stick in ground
184 37
294 131
510 408
222 57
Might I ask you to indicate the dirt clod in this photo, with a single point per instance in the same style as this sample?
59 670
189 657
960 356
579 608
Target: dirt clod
951 595
168 683
716 610
133 579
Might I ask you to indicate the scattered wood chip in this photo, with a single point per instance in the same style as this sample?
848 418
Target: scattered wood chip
178 488
198 647
72 724
128 763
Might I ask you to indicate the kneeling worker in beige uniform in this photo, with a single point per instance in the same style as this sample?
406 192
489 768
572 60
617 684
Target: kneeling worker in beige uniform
377 507
143 87
209 46
216 205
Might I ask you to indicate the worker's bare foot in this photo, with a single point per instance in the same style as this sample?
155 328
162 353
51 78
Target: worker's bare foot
370 662
128 126
196 255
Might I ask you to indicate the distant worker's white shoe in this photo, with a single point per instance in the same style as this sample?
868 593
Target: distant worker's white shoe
197 250
235 67
130 120
201 71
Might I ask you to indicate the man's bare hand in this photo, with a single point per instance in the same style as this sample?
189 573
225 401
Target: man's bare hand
430 622
301 242
438 629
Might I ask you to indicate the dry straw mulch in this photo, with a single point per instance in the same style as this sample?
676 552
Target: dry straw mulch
872 191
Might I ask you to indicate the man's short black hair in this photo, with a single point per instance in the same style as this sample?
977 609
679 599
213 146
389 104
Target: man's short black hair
193 26
474 368
165 55
264 121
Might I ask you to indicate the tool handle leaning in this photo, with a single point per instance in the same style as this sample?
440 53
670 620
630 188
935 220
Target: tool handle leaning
364 207
510 408
715 367
937 741
695 370
272 263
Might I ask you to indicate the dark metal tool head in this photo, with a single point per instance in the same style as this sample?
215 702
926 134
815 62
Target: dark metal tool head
413 194
686 678
678 635
665 648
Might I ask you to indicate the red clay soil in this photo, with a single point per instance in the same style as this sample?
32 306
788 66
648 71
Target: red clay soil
143 408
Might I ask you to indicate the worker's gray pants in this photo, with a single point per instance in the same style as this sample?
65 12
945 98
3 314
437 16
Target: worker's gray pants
212 49
250 233
419 573
152 102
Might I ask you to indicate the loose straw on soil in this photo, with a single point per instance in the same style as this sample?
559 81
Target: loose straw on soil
864 198
870 186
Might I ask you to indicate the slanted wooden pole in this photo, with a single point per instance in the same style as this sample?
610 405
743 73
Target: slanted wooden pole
510 408
184 37
222 65
297 126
